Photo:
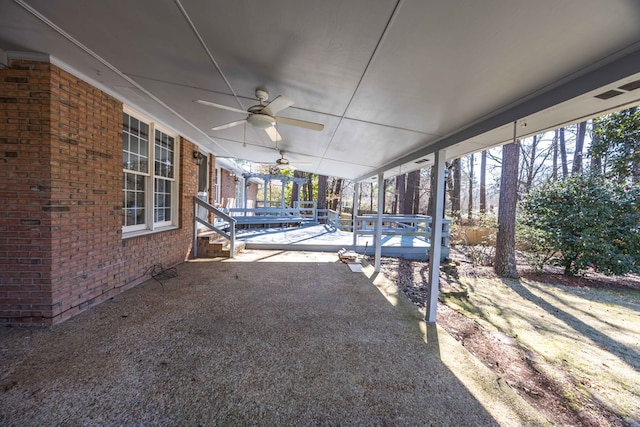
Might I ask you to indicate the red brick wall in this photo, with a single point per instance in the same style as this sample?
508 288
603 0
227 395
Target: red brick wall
228 189
25 192
252 194
61 246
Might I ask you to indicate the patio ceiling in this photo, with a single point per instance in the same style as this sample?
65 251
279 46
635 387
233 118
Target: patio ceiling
391 80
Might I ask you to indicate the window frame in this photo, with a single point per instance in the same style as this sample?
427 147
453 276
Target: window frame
149 224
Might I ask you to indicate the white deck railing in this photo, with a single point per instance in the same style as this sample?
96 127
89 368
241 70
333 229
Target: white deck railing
219 217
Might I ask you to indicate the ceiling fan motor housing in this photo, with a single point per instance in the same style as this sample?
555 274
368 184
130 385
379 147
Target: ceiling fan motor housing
261 121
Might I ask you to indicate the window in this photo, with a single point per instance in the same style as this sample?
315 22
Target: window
149 190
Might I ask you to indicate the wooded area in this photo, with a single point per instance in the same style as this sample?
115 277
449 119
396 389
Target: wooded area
487 188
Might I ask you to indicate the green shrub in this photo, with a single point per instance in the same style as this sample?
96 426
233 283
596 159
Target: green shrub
586 222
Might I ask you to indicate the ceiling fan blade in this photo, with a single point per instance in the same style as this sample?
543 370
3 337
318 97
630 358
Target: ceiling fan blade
277 105
273 134
299 123
229 125
223 107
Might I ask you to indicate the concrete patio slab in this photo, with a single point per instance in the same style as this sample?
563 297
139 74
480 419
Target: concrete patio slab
269 338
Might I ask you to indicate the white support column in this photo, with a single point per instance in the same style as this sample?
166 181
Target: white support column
356 197
378 237
436 237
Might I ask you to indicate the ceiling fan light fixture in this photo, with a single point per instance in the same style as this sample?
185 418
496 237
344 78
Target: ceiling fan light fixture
261 121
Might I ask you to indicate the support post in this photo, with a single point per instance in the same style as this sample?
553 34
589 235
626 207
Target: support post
378 236
356 197
436 237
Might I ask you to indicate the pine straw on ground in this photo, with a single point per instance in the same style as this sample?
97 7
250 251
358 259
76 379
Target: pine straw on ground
512 362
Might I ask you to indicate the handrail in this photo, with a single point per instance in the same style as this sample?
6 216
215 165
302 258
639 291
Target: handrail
411 225
231 236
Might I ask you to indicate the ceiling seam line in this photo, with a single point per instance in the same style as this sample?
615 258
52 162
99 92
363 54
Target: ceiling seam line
569 90
104 62
206 49
387 27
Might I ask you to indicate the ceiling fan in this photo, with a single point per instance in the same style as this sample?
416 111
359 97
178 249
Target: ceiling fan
284 163
263 116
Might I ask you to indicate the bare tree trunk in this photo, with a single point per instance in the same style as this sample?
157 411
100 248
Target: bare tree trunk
384 195
531 166
295 188
577 156
309 186
413 182
483 182
554 171
595 166
563 154
371 196
337 193
322 191
416 195
401 189
505 258
456 189
470 207
432 183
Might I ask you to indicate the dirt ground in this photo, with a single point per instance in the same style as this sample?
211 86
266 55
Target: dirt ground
568 345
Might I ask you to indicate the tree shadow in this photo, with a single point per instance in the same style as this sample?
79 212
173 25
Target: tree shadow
628 354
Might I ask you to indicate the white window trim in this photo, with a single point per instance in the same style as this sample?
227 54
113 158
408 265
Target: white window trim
150 226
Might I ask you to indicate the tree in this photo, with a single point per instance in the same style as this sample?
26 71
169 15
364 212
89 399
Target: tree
563 153
470 206
534 162
588 222
595 166
576 168
322 191
554 170
412 192
295 188
505 257
335 193
483 182
618 144
401 191
456 172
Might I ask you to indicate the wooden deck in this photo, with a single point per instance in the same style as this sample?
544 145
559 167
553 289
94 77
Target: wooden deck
322 238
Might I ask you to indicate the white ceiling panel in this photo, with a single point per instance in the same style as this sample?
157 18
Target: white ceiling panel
150 40
391 80
368 144
311 51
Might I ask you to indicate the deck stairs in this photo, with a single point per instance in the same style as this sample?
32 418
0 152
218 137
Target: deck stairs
212 245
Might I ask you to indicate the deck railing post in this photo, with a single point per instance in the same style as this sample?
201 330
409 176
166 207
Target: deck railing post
194 252
232 240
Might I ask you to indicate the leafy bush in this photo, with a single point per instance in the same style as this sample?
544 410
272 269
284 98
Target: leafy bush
531 241
586 222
